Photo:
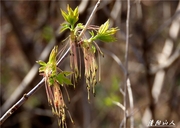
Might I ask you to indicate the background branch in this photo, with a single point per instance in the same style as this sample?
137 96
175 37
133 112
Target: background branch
160 75
126 63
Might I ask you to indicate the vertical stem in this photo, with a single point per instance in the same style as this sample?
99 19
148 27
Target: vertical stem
131 104
126 61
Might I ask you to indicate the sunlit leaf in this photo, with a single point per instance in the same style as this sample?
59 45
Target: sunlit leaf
42 69
103 28
71 17
91 33
52 57
105 38
65 26
40 62
65 15
105 34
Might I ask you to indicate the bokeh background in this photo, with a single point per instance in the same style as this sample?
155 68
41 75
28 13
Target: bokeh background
29 30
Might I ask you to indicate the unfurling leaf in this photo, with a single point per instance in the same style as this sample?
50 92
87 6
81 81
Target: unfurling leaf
105 34
104 27
40 62
105 38
53 80
62 79
71 17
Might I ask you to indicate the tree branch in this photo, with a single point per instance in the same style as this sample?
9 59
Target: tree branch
131 102
90 19
31 92
27 79
25 97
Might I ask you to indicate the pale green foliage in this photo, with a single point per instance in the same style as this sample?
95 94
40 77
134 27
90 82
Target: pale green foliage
71 17
62 78
104 34
49 70
52 81
89 47
54 77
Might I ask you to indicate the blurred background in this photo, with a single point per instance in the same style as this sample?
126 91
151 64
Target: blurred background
30 29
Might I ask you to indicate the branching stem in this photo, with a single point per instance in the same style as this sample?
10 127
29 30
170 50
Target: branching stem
32 91
90 19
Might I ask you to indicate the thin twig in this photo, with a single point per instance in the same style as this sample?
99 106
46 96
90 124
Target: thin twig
25 97
27 79
119 105
90 19
171 60
20 102
118 61
131 102
126 60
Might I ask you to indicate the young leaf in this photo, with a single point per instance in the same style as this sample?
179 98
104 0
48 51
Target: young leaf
91 33
42 69
65 26
71 17
40 62
105 34
103 28
65 15
62 79
66 73
105 38
52 57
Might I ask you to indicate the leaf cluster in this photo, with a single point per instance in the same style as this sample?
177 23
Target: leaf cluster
71 17
49 70
104 33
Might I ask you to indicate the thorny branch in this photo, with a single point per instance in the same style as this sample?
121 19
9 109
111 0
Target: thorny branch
31 92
